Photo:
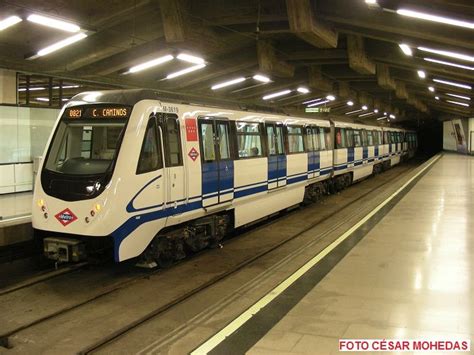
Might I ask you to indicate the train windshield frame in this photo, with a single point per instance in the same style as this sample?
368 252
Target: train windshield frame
83 151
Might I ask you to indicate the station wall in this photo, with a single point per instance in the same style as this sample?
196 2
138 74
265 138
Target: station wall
458 135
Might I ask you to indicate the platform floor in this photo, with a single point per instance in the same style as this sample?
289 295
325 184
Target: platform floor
15 205
411 276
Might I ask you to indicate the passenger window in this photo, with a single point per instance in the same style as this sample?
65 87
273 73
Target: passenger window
363 133
385 138
224 149
340 138
350 138
207 137
249 141
322 138
370 138
295 139
150 154
173 141
309 139
357 138
316 138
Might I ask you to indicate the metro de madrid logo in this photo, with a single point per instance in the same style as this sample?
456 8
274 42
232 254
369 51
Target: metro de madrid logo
65 217
193 154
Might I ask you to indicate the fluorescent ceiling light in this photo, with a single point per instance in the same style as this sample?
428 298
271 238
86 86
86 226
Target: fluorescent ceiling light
365 107
458 103
190 58
350 103
185 71
228 83
406 49
318 103
351 112
421 74
367 114
276 94
61 44
435 18
371 2
32 89
150 63
54 23
313 100
67 87
461 56
331 97
45 99
430 88
261 78
392 116
437 97
449 63
464 86
376 111
459 96
302 90
9 21
381 118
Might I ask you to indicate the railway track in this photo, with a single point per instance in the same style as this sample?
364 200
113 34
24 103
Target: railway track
128 280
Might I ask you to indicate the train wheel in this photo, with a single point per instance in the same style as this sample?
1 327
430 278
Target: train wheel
167 250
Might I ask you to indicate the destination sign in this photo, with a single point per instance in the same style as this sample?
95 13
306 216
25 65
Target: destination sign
97 112
318 109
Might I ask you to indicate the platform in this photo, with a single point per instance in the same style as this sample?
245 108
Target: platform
15 218
409 277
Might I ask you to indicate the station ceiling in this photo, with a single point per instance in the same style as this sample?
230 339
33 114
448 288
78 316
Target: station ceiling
345 48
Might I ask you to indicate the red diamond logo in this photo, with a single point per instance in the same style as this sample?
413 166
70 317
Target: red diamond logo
193 154
65 217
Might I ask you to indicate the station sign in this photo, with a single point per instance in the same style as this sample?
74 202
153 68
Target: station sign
317 109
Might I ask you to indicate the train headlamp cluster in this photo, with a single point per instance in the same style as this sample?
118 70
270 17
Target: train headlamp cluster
93 212
41 204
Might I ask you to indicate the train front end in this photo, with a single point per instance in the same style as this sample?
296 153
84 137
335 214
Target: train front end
75 196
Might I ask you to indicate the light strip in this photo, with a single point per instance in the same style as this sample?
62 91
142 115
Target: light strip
190 58
465 57
464 86
276 94
458 103
459 96
366 114
228 83
406 49
381 118
313 100
42 99
54 23
32 89
185 71
318 103
9 21
150 63
351 112
67 87
449 63
435 18
61 44
261 78
302 90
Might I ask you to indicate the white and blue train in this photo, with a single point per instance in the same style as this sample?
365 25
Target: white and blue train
128 172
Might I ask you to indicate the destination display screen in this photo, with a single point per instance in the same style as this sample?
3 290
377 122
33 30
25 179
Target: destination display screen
97 112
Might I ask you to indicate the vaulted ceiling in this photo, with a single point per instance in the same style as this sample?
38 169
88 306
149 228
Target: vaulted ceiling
345 48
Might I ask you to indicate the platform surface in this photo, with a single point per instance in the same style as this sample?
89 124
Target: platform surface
15 205
410 277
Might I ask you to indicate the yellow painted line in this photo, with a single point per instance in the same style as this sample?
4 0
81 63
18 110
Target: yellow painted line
218 338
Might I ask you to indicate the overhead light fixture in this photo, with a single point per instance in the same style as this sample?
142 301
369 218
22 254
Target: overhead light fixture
449 63
461 56
313 100
435 18
9 22
371 2
459 85
261 78
331 97
367 114
185 71
350 103
392 116
376 111
421 74
150 64
44 99
459 96
190 58
302 90
458 103
67 87
32 89
385 113
406 49
61 44
436 97
381 118
228 83
54 23
276 94
430 88
351 112
318 103
365 108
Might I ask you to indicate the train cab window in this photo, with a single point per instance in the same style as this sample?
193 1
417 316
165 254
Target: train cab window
249 140
150 155
173 141
295 139
357 138
275 139
341 139
370 138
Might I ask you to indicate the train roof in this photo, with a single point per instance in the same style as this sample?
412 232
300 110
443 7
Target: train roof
121 97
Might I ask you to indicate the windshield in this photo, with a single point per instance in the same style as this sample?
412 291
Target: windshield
84 148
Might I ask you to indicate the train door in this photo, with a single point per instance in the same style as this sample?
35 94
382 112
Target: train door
217 163
174 170
276 156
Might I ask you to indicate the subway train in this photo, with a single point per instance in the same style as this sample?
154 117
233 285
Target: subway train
128 173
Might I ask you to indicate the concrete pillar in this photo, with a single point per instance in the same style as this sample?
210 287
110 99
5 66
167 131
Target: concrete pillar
8 90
